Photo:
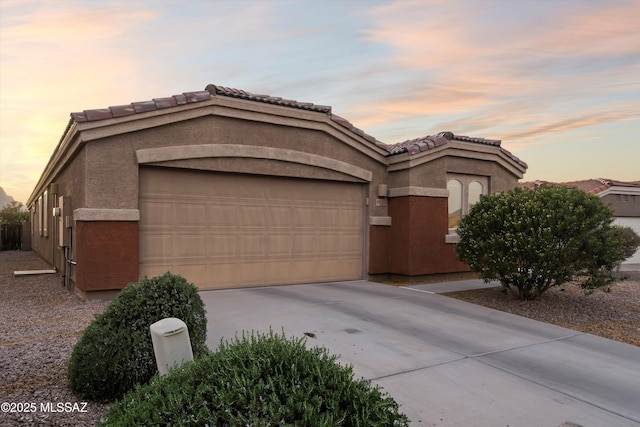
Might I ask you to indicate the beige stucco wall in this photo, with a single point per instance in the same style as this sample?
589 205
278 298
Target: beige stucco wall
433 173
71 180
624 205
113 168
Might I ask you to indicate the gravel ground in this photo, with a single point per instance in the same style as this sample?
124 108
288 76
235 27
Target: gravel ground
41 322
614 315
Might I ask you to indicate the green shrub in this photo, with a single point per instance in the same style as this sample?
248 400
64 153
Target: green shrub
115 352
631 241
259 380
532 240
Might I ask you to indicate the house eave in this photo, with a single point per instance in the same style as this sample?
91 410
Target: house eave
619 190
458 149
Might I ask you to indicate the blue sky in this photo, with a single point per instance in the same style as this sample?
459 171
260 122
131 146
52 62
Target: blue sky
557 81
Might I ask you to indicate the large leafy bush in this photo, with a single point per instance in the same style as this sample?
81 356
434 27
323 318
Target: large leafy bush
532 240
259 380
631 241
115 352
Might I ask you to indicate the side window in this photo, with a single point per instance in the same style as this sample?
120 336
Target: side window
39 213
45 214
455 202
475 191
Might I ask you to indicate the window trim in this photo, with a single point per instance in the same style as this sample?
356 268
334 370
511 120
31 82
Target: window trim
45 213
466 181
39 215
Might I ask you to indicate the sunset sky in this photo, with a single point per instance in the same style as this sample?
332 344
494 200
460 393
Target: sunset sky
557 81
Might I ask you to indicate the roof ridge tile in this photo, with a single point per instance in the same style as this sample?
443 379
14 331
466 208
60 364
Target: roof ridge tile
215 90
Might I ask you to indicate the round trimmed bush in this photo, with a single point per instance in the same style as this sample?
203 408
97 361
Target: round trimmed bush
115 352
259 380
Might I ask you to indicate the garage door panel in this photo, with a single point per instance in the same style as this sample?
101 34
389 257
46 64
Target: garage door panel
250 245
303 244
190 245
191 270
220 276
279 216
350 244
251 216
232 230
307 217
221 246
278 271
158 246
279 245
193 214
251 273
158 213
349 218
304 270
219 214
154 270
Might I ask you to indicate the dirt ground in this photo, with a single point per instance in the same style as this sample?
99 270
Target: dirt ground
614 315
41 322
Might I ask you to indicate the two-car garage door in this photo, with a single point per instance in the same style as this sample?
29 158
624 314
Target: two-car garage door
222 230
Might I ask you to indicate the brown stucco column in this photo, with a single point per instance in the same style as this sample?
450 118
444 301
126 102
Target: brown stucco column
417 243
379 241
106 250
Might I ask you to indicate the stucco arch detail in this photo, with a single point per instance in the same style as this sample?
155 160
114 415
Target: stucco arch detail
185 152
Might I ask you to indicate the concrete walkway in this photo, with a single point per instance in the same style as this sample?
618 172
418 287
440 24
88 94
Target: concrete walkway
446 361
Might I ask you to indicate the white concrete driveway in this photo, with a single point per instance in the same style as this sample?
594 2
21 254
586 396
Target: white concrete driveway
447 362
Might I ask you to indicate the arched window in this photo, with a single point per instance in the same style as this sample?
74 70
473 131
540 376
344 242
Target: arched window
455 202
464 192
475 191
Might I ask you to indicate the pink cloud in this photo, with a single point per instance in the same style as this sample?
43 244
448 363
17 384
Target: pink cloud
518 79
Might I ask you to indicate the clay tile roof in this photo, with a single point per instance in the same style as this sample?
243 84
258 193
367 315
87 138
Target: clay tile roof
139 107
410 146
241 94
591 186
191 97
413 146
418 145
122 110
165 102
98 114
348 125
143 107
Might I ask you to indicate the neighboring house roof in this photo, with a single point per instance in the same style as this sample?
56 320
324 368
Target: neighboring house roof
591 186
410 146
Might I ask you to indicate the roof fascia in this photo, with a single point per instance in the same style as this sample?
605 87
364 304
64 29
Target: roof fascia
66 148
458 149
618 189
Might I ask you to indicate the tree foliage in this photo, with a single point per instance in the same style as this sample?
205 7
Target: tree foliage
532 240
631 241
13 213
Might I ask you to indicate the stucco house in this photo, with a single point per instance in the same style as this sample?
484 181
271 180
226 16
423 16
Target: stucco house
233 189
623 197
